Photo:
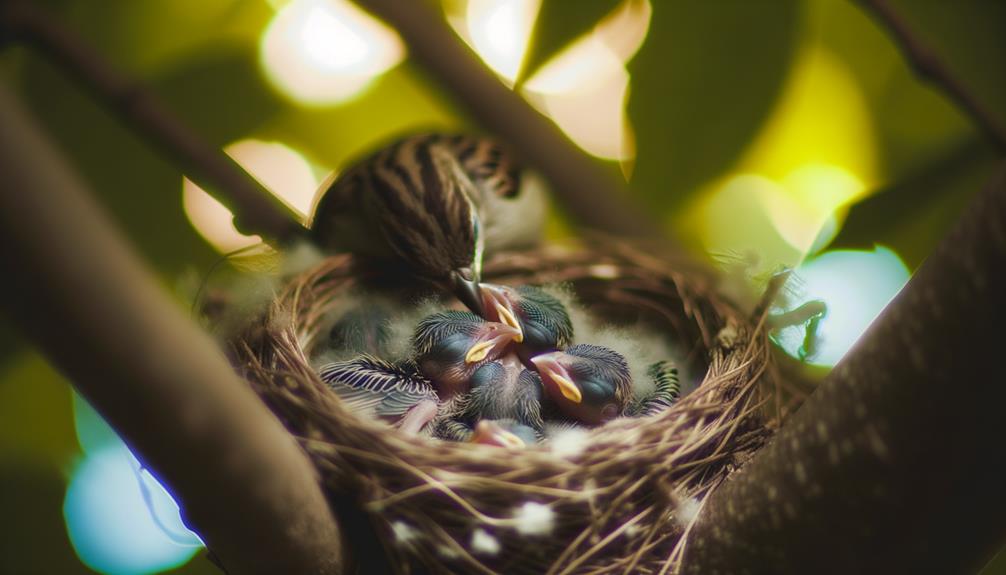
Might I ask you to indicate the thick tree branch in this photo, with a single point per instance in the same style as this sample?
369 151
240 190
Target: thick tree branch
896 463
592 196
73 286
256 211
929 67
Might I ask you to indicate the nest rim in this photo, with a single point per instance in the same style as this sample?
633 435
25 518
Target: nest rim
605 519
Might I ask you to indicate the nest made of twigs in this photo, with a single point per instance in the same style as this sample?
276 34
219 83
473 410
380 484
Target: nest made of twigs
625 503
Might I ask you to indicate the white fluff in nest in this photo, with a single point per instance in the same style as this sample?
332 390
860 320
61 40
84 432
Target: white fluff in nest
566 441
687 511
534 519
399 324
484 543
640 345
404 533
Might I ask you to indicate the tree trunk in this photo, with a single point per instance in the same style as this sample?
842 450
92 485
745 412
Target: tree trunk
896 463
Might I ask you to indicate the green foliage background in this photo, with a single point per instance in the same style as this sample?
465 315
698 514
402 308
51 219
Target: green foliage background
702 85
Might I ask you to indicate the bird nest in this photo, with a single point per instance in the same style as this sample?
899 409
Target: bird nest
621 501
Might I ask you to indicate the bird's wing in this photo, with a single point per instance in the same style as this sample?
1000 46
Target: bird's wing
666 390
368 383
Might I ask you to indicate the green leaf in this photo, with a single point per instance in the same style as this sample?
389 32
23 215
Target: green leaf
702 83
913 215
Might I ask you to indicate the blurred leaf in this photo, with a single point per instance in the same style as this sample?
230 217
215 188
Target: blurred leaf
701 85
34 538
897 100
913 215
144 36
36 415
971 38
558 25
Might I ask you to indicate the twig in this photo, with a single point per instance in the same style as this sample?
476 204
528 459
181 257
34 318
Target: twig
255 209
590 194
929 67
74 287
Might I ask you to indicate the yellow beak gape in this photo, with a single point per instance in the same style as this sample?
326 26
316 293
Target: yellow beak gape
507 317
478 352
569 389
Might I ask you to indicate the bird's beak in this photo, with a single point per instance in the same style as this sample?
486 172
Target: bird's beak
467 291
498 336
490 433
499 308
551 370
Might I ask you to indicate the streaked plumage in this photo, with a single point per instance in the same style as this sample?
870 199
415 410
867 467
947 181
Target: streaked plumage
450 346
588 383
432 202
389 391
666 390
544 322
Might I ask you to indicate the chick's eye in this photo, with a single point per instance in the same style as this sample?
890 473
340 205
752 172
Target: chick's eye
483 375
450 349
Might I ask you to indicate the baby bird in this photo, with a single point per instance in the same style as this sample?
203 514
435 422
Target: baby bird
428 202
542 320
503 391
448 348
451 346
504 433
588 383
666 390
378 388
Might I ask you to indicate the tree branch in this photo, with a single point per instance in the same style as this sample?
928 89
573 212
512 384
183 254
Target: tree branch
929 67
590 194
896 462
255 209
163 384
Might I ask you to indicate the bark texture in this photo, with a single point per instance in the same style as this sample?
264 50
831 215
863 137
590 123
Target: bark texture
896 464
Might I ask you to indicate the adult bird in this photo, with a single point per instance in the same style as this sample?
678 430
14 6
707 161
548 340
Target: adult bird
448 348
433 203
502 391
544 323
588 383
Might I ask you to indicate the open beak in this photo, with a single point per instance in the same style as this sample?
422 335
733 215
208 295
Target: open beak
498 337
468 292
490 433
552 371
499 308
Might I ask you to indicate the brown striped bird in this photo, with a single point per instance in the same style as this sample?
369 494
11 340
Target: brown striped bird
433 203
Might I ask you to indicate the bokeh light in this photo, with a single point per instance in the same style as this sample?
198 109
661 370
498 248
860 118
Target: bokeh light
856 286
281 169
321 52
498 31
110 523
815 156
584 87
